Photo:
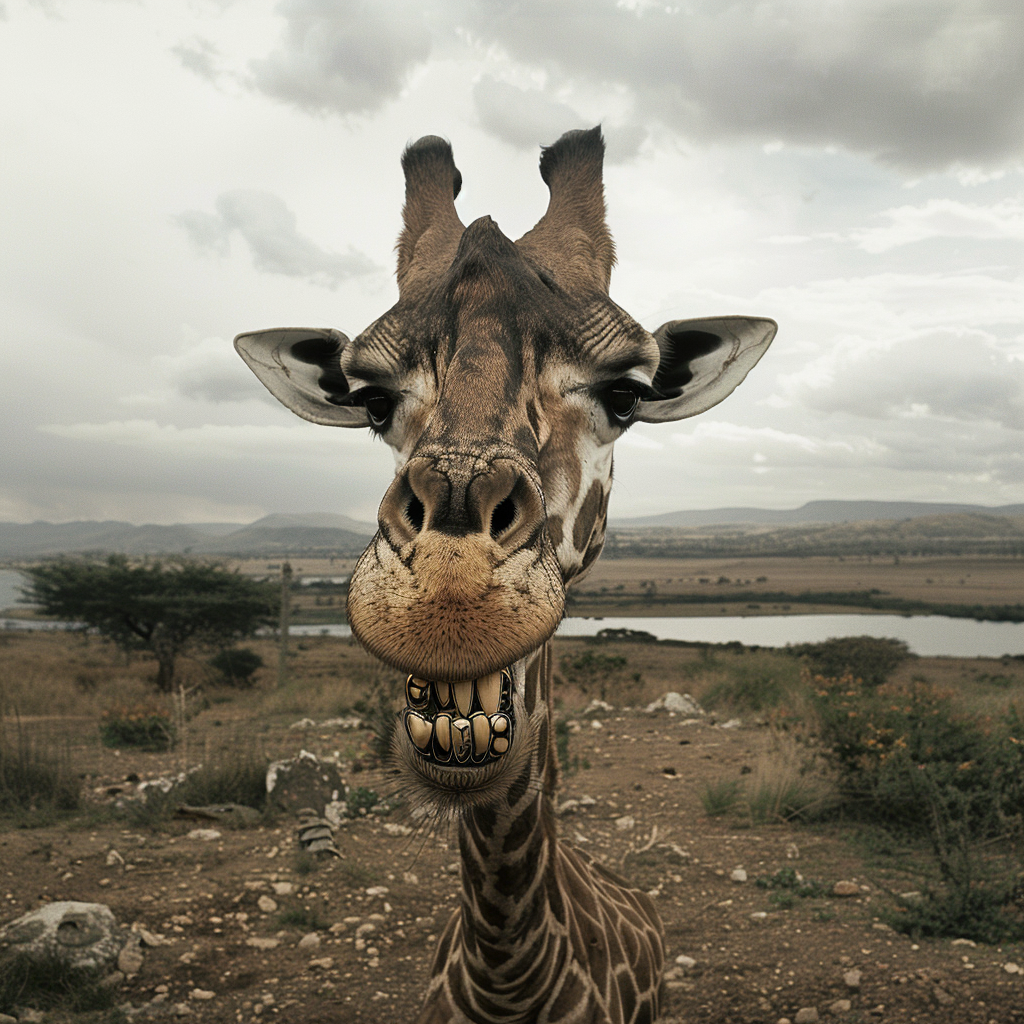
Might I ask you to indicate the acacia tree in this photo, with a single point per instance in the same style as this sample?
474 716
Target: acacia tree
167 609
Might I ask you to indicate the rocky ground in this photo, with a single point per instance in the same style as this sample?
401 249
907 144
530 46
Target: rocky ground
238 926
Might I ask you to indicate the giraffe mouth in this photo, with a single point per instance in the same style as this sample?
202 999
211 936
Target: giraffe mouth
466 723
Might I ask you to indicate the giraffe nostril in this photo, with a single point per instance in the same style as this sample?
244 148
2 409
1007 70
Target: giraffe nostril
414 513
503 516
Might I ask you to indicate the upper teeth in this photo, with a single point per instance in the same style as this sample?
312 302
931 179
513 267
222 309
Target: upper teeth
486 694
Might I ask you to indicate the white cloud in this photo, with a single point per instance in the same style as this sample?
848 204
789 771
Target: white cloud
270 230
210 371
944 218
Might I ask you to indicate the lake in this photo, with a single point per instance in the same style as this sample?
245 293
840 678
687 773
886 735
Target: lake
927 635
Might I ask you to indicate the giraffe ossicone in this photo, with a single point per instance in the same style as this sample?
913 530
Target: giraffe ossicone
502 378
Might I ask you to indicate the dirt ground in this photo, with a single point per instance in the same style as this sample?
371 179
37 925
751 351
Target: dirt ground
376 912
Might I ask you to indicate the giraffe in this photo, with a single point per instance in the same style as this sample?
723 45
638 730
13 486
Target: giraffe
501 379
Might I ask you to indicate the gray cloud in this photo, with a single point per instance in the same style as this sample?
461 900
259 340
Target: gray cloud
269 228
918 85
956 375
343 56
200 57
527 118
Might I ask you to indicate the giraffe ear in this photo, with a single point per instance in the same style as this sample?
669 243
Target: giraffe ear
702 362
301 368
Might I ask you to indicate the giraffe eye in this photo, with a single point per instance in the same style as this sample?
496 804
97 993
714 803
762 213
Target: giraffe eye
378 406
622 401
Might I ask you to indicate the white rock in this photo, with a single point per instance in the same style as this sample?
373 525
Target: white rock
1012 968
806 1015
851 979
259 942
80 934
114 858
282 888
677 703
597 705
595 724
686 962
738 875
309 941
266 904
840 1006
203 995
625 823
733 723
394 829
377 890
206 835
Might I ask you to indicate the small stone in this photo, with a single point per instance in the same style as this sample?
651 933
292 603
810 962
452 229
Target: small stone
410 878
840 1006
365 929
206 835
282 888
1012 968
846 889
202 995
941 996
114 859
266 904
309 941
377 890
806 1015
182 1009
851 979
964 942
738 875
129 960
394 829
625 823
686 962
321 963
259 942
759 915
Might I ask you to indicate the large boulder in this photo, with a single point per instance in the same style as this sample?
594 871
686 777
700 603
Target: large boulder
304 781
81 934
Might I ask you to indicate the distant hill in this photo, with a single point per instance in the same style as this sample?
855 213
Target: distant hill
272 535
813 512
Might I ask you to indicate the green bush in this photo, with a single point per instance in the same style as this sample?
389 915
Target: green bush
140 728
908 760
868 658
755 683
237 667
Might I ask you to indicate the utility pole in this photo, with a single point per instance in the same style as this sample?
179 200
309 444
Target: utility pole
286 602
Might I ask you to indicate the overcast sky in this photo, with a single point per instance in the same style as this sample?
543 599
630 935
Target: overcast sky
174 173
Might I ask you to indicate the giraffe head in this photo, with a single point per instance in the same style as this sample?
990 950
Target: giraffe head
501 379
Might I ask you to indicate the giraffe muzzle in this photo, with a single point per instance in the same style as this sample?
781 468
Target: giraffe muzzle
461 724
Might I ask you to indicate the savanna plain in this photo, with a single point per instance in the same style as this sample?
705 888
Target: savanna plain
836 835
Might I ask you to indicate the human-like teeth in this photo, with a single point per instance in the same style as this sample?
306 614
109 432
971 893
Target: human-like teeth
443 733
463 696
462 739
481 735
444 694
417 691
420 730
488 692
499 723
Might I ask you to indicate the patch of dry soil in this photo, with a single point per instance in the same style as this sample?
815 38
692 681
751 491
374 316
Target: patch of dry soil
233 912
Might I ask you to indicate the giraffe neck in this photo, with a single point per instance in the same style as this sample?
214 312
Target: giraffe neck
512 919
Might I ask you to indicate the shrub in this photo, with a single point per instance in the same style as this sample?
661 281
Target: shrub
906 759
720 797
237 667
140 728
34 778
868 658
593 669
755 683
51 984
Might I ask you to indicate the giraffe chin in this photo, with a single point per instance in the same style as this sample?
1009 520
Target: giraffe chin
465 724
